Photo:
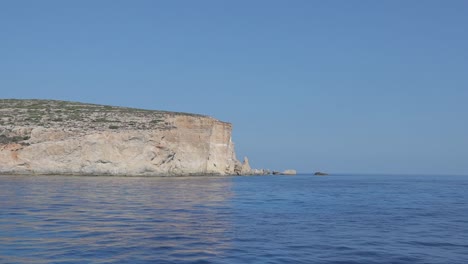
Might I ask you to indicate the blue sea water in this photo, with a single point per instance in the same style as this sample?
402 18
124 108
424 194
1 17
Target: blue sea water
264 219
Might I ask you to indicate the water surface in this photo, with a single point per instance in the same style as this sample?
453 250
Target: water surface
265 219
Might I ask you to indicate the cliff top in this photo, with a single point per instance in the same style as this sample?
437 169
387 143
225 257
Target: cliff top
65 114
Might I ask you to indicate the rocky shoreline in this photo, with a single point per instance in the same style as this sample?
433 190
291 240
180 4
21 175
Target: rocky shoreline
48 137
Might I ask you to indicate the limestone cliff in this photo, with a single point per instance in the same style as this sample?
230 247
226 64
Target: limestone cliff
57 137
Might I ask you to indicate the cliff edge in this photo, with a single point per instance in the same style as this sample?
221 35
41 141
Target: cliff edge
59 137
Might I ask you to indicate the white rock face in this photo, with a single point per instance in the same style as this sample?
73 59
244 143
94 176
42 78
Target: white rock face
188 145
245 169
289 172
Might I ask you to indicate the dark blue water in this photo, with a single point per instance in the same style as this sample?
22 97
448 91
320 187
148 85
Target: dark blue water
266 219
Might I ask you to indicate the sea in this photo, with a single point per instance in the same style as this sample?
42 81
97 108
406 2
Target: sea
242 219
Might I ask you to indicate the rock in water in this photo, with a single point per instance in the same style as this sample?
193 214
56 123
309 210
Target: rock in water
245 169
58 137
318 173
289 172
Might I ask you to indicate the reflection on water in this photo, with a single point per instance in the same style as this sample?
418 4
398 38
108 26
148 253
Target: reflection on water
274 219
111 218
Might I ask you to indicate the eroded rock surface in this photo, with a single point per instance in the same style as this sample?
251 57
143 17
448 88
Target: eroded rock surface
289 172
57 137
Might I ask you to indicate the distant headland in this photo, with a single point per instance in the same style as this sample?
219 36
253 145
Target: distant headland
71 138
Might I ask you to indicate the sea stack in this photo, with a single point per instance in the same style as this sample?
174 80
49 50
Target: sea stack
70 138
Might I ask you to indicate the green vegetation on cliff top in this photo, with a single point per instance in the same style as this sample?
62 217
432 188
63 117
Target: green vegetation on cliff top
54 113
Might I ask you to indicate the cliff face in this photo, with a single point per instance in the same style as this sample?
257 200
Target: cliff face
54 137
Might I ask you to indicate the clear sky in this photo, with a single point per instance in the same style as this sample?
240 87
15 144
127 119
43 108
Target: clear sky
338 86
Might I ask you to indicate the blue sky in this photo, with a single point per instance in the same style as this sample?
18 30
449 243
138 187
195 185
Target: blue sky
339 86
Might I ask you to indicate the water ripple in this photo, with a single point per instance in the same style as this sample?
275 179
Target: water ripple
302 219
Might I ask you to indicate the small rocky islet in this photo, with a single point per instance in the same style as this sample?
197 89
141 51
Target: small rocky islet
72 138
319 173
